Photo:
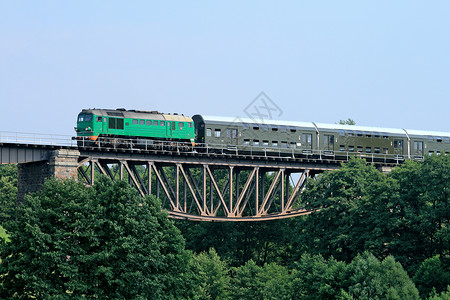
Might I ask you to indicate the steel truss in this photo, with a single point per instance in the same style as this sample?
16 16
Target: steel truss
210 190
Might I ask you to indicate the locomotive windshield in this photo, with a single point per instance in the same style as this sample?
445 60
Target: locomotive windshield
84 118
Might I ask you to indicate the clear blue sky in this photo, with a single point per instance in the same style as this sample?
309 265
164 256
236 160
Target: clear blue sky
381 63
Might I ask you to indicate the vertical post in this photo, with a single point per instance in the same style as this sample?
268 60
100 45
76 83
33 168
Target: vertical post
204 188
185 195
257 191
282 188
149 170
121 170
92 163
231 189
177 189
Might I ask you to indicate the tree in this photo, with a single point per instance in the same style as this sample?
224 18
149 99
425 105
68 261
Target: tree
421 204
99 242
251 281
371 279
317 278
209 276
432 274
344 223
347 122
8 191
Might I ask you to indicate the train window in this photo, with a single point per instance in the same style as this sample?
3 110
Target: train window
274 128
190 125
376 150
430 153
283 144
162 123
439 140
292 145
181 125
265 143
255 127
217 132
99 119
368 135
359 148
377 136
351 148
246 126
398 144
283 128
208 132
274 144
368 149
119 123
385 137
246 142
155 123
168 124
447 140
149 123
418 146
115 123
292 129
134 122
350 133
255 143
341 148
359 133
141 122
307 138
174 124
341 132
385 151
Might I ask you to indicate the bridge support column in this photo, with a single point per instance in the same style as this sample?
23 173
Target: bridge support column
62 164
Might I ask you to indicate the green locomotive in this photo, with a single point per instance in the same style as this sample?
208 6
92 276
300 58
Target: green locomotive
112 126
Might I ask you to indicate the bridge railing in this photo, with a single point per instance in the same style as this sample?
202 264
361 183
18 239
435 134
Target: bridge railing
236 150
36 139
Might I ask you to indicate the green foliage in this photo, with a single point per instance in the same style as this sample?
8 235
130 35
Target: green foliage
317 278
239 242
432 274
347 122
99 242
3 235
209 276
251 281
345 223
8 191
442 296
372 279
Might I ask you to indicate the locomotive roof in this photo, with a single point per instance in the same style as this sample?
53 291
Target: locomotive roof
136 114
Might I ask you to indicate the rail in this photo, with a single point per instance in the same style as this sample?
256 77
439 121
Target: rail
37 139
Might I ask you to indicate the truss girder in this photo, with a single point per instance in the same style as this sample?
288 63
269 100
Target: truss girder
209 191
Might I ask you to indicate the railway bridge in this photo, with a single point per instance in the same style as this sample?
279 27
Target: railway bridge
209 185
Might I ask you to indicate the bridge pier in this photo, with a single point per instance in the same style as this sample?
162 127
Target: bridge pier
62 164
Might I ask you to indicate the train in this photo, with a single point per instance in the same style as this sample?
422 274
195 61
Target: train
113 127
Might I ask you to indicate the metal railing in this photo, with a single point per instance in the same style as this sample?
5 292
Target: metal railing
106 143
36 139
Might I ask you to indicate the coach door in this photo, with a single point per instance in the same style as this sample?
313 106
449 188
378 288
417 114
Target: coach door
232 136
398 147
328 142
